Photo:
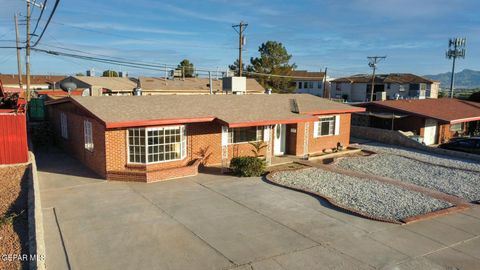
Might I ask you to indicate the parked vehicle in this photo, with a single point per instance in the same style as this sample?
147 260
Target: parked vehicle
469 145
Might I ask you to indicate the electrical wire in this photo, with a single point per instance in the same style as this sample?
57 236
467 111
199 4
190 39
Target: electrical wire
40 17
46 25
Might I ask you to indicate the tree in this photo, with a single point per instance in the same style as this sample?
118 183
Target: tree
235 67
475 97
79 74
110 73
274 59
187 67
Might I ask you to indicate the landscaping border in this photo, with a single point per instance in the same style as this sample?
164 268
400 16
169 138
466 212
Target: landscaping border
458 205
36 241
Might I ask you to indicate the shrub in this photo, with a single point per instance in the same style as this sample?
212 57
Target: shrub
247 166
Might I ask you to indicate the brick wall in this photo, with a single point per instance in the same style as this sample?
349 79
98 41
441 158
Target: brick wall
109 157
317 145
75 143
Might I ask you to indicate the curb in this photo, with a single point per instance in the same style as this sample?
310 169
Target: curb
36 239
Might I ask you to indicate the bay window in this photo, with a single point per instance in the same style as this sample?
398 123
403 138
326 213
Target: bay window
155 145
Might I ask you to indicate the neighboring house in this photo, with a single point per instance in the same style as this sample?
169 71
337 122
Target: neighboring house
151 138
357 88
434 120
200 86
37 82
98 86
308 82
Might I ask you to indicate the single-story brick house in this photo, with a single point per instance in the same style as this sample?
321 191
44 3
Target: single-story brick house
151 138
435 120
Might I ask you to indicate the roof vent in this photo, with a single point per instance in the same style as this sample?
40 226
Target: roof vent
294 106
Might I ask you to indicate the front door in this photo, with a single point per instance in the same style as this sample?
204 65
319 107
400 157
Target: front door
279 141
430 132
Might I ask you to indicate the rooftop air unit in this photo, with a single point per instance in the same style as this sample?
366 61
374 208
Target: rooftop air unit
236 85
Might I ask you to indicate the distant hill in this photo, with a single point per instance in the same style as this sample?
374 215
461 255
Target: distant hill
466 78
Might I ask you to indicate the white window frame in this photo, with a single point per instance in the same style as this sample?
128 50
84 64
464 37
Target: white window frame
183 144
64 125
335 126
88 135
260 135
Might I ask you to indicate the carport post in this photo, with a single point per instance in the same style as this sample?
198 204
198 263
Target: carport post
268 155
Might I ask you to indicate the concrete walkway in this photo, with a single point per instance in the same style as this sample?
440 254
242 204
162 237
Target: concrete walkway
223 222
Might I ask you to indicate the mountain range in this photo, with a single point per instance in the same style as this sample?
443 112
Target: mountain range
466 79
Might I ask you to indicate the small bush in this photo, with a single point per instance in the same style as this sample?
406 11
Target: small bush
247 166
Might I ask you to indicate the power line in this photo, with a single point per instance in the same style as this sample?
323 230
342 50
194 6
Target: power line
48 22
40 17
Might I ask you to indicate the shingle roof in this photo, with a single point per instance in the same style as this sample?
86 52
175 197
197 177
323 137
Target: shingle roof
8 79
190 85
235 110
443 109
307 75
112 83
399 78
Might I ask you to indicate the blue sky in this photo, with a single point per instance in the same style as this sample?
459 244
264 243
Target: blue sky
337 34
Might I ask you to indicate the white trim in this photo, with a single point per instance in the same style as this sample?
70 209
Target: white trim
315 129
224 135
337 125
266 133
183 144
88 135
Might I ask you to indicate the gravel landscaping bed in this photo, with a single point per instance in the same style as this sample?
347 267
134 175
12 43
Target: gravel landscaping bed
370 198
449 161
453 181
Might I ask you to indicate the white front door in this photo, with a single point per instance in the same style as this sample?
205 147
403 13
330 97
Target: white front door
279 140
430 132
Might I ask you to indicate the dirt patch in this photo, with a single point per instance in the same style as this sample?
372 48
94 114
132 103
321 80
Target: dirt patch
285 167
13 216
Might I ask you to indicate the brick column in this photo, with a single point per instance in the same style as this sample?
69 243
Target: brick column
306 134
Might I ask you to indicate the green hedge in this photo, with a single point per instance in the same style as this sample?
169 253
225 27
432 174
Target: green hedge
247 166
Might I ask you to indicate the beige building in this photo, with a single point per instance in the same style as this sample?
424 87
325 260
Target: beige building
98 86
357 88
189 86
37 82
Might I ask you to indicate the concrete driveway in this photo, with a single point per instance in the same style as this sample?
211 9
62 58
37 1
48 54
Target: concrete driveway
223 222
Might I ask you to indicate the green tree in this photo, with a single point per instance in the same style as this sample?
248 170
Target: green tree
110 73
475 97
274 59
79 74
187 67
235 67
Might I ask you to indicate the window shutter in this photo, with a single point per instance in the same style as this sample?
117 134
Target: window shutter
337 124
266 133
315 129
224 135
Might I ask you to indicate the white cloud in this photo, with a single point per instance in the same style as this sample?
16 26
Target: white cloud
128 28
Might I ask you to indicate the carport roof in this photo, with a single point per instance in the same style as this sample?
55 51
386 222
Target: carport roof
233 110
444 109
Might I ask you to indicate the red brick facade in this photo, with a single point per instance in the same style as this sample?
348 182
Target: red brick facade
109 156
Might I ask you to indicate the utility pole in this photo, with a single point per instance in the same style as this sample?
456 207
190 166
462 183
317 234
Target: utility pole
326 92
27 52
373 61
19 59
456 48
241 42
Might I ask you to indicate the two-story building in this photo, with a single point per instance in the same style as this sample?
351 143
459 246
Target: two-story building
309 82
357 88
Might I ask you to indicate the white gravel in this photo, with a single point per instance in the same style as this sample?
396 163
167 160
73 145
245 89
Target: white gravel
429 157
453 181
373 198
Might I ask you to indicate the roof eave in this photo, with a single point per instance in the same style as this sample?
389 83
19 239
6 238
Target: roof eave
158 122
323 112
269 122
